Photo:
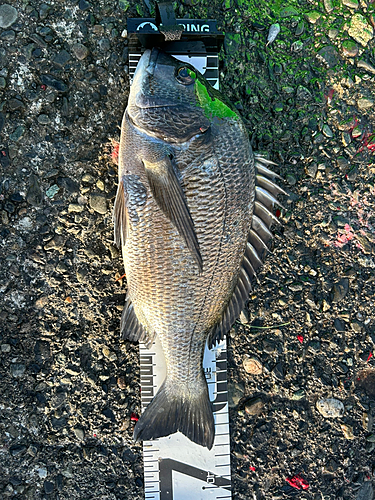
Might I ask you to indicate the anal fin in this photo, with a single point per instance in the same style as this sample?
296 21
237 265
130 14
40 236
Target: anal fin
131 328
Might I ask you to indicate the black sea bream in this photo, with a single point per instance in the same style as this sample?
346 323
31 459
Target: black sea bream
192 214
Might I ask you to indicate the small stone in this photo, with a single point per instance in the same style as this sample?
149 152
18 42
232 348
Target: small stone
253 366
311 169
53 82
17 370
366 492
83 5
17 449
15 104
8 15
278 372
300 28
352 4
43 119
5 347
235 393
34 195
365 103
48 487
244 316
100 185
75 208
98 203
347 431
330 408
349 48
57 243
298 394
79 433
313 17
340 290
52 191
62 58
121 382
291 180
366 66
42 472
254 406
80 51
17 133
88 178
360 30
109 354
327 131
329 56
328 6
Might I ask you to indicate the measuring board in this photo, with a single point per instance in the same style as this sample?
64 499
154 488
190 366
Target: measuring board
175 468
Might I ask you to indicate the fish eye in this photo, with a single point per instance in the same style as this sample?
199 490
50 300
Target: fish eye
185 76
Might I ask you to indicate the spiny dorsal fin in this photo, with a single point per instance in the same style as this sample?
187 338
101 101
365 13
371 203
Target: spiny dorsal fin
256 247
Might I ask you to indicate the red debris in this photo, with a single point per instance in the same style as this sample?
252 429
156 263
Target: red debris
300 338
115 150
329 96
298 482
252 467
278 213
134 417
369 357
43 87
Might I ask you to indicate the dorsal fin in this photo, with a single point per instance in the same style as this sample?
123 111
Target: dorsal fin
256 246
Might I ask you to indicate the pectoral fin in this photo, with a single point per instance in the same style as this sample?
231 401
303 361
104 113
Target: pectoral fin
131 197
170 197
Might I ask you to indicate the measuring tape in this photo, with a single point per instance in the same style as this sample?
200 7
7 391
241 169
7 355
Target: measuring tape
175 468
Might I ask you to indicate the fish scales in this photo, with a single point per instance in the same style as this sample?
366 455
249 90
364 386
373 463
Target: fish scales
184 211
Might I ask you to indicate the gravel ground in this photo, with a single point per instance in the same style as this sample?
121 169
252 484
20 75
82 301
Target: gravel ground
302 390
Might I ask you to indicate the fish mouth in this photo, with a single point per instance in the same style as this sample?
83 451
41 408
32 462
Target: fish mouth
144 71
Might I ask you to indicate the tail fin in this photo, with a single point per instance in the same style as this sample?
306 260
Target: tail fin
172 410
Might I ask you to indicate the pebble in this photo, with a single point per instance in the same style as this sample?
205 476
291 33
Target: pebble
349 48
360 30
34 195
340 290
328 6
42 472
298 394
366 492
352 4
53 82
253 366
327 131
330 408
43 119
254 406
5 347
313 17
98 203
236 392
347 431
365 103
17 370
48 487
79 433
52 191
75 208
17 133
366 66
8 15
329 55
62 58
80 51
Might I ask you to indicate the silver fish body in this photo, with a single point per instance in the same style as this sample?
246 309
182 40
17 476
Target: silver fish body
183 216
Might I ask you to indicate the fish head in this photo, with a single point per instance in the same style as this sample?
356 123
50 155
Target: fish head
172 101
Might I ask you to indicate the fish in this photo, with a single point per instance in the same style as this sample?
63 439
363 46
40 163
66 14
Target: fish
192 214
